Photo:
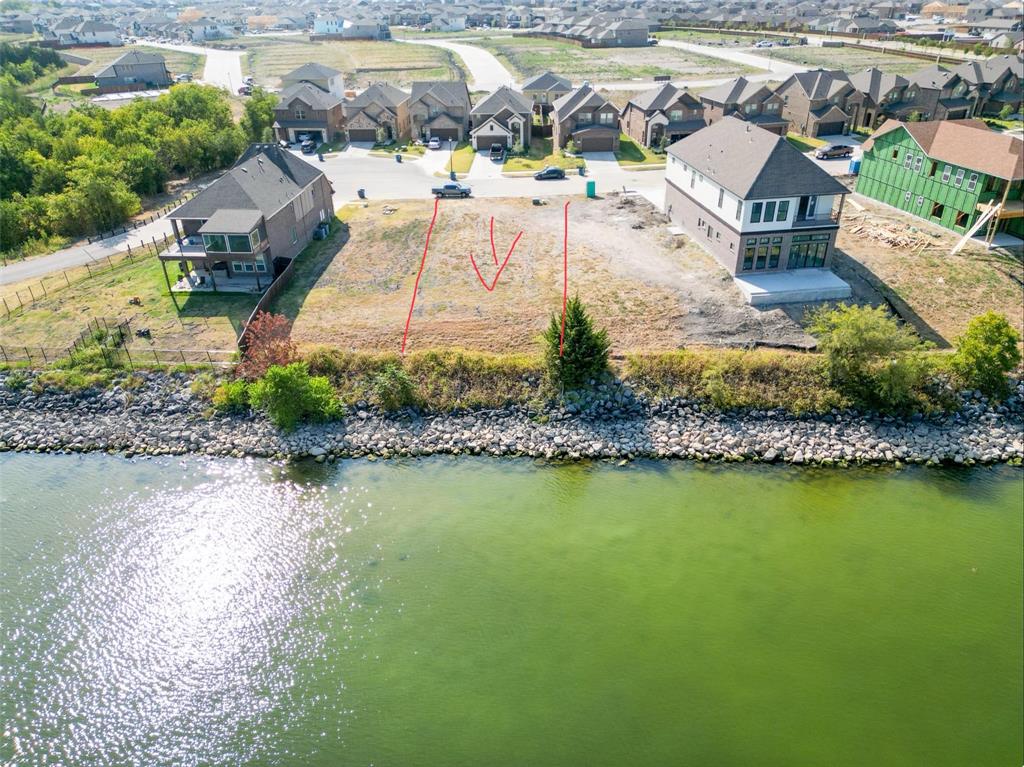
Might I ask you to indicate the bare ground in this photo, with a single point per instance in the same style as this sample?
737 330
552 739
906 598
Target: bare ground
652 291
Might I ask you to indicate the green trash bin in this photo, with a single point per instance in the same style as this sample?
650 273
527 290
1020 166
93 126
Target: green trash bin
591 189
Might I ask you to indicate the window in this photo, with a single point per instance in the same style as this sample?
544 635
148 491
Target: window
895 153
254 239
721 197
908 160
260 265
783 213
972 182
771 107
542 98
739 209
918 162
774 253
769 211
748 255
938 209
906 196
607 118
295 235
762 257
248 266
693 179
711 231
934 167
300 113
920 201
750 108
812 204
808 251
676 115
961 219
947 171
239 243
718 235
236 266
755 213
214 243
584 118
959 177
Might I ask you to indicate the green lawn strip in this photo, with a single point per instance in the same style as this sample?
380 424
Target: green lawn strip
462 159
411 151
309 265
804 143
1003 125
632 153
539 156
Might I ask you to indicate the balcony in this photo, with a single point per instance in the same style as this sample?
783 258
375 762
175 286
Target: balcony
824 219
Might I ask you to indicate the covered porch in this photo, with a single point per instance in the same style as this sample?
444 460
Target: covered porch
228 252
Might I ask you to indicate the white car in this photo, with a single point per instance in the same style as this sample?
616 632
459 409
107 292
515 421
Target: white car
434 143
763 44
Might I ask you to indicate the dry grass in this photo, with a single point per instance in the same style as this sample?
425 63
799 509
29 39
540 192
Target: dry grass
362 61
851 60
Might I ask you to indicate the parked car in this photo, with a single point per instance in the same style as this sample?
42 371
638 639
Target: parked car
497 152
434 143
550 172
763 44
245 90
248 80
185 77
830 151
308 146
452 189
652 41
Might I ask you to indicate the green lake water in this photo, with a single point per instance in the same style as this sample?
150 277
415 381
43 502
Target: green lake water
499 612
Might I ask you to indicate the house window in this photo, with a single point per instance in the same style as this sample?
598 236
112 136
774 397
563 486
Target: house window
676 115
755 213
739 209
895 153
908 160
542 98
711 231
807 251
718 235
769 211
248 266
748 255
239 243
762 254
934 167
295 235
959 177
947 171
771 107
783 213
260 265
972 182
961 219
214 243
300 113
693 179
236 266
918 162
750 108
584 118
774 253
937 210
606 118
721 197
254 239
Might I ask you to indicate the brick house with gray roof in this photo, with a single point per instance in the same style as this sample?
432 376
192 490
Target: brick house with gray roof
439 109
378 114
503 117
753 102
586 118
665 112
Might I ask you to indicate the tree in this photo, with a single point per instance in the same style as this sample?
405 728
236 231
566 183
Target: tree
288 394
267 342
914 117
1006 111
584 353
986 352
259 115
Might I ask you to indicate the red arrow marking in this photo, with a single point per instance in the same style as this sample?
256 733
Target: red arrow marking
423 263
494 252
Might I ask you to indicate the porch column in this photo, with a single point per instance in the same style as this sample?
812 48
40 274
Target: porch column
842 202
163 265
177 234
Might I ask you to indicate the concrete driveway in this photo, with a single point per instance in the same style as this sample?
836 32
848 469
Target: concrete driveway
484 167
839 166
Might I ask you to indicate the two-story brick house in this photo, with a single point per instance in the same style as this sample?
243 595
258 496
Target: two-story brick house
503 117
949 172
665 113
936 93
544 90
310 104
994 83
818 103
586 118
758 206
136 67
378 114
245 227
882 95
325 78
753 102
439 109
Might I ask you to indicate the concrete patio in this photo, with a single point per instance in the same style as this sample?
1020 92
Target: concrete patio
202 281
792 286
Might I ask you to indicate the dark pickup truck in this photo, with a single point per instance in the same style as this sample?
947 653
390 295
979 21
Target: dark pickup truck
452 189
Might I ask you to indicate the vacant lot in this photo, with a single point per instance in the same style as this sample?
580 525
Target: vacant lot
850 60
362 61
650 294
178 62
944 291
528 56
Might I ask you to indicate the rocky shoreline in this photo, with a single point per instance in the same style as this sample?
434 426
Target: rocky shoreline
162 416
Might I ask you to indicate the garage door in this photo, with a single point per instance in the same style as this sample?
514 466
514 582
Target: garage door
444 133
597 143
362 134
830 129
484 142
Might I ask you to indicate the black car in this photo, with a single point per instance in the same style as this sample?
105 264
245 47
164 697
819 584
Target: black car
550 172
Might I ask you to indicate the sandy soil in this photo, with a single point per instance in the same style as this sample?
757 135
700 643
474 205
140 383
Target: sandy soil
651 290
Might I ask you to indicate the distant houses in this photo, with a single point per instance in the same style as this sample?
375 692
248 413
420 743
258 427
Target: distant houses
310 104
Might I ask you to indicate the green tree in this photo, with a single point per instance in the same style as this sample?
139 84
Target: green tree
259 115
1006 111
986 352
288 394
584 353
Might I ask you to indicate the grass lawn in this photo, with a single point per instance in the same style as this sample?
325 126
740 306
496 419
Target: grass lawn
528 56
804 143
540 155
1003 125
208 321
414 32
412 151
462 158
362 61
632 153
851 60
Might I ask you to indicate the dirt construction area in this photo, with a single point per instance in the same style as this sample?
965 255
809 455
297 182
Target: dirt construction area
650 289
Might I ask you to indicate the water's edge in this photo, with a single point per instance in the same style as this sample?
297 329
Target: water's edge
164 417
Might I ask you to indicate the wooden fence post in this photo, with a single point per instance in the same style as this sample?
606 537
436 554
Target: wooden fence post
43 286
7 307
131 363
45 361
66 279
31 293
3 351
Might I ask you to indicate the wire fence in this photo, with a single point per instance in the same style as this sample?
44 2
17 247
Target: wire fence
136 223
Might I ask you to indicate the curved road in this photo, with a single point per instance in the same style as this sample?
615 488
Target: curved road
486 72
223 68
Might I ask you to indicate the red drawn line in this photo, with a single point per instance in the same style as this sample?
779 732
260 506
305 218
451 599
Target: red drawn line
565 277
494 252
490 288
423 263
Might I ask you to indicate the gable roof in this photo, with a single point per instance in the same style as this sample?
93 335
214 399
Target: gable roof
734 91
935 76
311 71
314 97
380 93
821 83
130 59
989 70
876 83
547 81
503 98
753 163
661 97
968 143
584 96
451 93
265 178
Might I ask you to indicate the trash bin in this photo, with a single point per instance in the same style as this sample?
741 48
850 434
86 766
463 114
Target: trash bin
398 156
361 193
321 156
854 167
453 176
591 189
582 170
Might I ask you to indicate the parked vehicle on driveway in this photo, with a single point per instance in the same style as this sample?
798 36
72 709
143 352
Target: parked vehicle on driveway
831 151
434 143
308 146
550 172
184 77
245 90
452 189
497 152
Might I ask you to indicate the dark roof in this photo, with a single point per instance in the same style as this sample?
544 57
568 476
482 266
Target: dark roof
934 76
504 98
448 92
547 81
876 83
989 70
753 163
661 97
311 71
821 83
584 96
231 221
309 94
732 92
265 178
381 93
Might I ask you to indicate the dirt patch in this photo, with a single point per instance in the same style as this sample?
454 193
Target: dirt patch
653 291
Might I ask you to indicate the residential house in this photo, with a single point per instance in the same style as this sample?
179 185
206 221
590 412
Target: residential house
814 103
203 29
994 83
664 114
439 109
245 227
936 93
1012 40
306 110
544 89
351 27
17 23
949 172
448 22
883 95
135 68
758 206
587 119
87 33
503 117
323 77
744 100
378 114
